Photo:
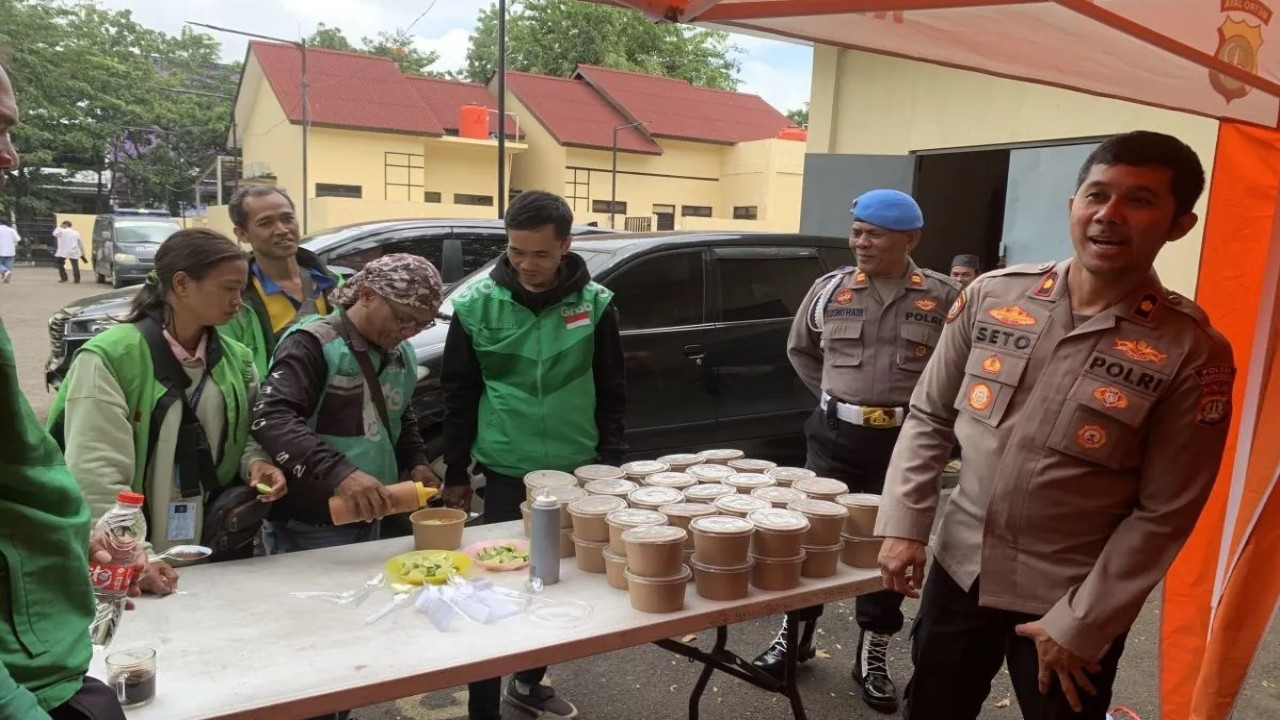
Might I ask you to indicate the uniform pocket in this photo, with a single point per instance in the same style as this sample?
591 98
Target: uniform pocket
843 336
1100 423
341 410
916 346
18 608
985 399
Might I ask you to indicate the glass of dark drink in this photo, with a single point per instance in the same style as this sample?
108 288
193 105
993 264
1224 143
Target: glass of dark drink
133 676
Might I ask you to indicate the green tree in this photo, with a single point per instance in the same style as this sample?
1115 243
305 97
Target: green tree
552 37
799 116
397 46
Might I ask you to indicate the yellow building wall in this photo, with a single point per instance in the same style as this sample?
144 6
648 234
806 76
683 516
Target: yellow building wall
687 174
541 167
268 139
769 175
332 212
864 103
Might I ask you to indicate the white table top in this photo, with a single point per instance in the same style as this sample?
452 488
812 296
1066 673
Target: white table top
239 646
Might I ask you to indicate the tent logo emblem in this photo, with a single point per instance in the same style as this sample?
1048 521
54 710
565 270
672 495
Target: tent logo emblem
1238 44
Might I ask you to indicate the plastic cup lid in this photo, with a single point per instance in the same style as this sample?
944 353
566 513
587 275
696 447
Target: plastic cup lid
708 491
818 508
820 486
721 525
776 520
654 495
703 567
741 503
645 467
565 494
635 517
560 613
752 465
655 534
790 473
778 494
548 478
681 459
861 500
749 480
687 509
596 505
711 472
611 486
722 454
671 479
599 472
685 574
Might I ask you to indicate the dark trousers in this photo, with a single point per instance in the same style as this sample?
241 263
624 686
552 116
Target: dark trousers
94 701
957 647
502 497
75 268
859 457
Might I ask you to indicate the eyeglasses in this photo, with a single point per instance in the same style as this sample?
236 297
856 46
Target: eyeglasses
406 321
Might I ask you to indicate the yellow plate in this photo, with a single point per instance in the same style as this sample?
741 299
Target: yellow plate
462 562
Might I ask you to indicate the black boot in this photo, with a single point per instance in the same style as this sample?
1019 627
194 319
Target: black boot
871 671
773 659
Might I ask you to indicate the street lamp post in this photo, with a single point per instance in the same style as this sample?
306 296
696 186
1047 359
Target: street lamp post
306 104
613 175
502 108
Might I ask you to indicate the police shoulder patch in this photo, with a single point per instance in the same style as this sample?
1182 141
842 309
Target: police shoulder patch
957 307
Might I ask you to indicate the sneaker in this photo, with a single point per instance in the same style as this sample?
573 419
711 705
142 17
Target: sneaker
7 275
541 700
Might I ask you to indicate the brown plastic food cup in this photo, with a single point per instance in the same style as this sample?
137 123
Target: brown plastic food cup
861 552
862 510
714 583
588 516
721 457
821 488
750 465
614 567
567 548
657 595
437 528
589 555
786 476
826 521
651 497
641 469
620 521
655 551
821 562
721 540
779 534
710 472
680 461
678 480
772 574
679 515
617 487
707 492
545 479
740 505
746 482
778 496
588 473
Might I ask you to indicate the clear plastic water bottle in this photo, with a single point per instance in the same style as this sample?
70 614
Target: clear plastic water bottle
544 541
123 530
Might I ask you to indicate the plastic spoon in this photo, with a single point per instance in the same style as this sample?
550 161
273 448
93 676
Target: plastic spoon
185 553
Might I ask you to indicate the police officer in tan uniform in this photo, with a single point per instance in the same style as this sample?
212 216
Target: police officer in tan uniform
860 341
1093 406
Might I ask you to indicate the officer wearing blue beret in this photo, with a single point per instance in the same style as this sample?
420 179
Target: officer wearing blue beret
860 342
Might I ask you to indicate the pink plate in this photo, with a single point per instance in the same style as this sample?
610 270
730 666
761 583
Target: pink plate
474 549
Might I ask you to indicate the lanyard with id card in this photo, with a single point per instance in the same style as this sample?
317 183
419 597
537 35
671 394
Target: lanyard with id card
181 523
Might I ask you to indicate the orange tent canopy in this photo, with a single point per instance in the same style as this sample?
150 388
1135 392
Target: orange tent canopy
1215 58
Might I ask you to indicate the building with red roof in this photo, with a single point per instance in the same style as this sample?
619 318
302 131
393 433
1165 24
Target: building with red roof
383 144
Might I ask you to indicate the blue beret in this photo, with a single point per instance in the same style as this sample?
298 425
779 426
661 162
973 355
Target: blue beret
889 209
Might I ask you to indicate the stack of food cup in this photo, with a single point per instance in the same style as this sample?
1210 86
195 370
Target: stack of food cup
861 546
721 561
590 531
615 555
822 543
656 573
777 547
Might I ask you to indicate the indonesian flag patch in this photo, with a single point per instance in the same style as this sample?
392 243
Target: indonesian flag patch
578 319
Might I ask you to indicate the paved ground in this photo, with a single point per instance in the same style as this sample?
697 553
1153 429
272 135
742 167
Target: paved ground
645 682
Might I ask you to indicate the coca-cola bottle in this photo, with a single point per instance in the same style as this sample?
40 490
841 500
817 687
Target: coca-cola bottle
122 532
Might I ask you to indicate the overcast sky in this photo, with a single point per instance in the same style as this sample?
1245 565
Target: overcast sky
778 71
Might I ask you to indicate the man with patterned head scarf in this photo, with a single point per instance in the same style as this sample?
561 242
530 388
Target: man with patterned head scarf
336 407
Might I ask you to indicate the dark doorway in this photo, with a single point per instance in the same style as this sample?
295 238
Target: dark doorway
962 195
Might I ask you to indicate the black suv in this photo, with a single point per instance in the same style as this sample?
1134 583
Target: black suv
456 247
704 319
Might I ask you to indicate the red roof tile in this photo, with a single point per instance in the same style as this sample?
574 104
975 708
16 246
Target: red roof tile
677 109
575 114
445 97
349 90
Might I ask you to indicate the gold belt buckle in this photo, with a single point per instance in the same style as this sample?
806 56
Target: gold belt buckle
877 417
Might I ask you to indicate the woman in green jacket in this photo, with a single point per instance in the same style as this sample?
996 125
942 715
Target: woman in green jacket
160 404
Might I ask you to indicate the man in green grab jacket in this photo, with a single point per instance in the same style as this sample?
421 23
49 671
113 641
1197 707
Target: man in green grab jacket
46 602
533 379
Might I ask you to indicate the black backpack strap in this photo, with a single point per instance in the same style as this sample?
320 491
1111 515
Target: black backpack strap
193 459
